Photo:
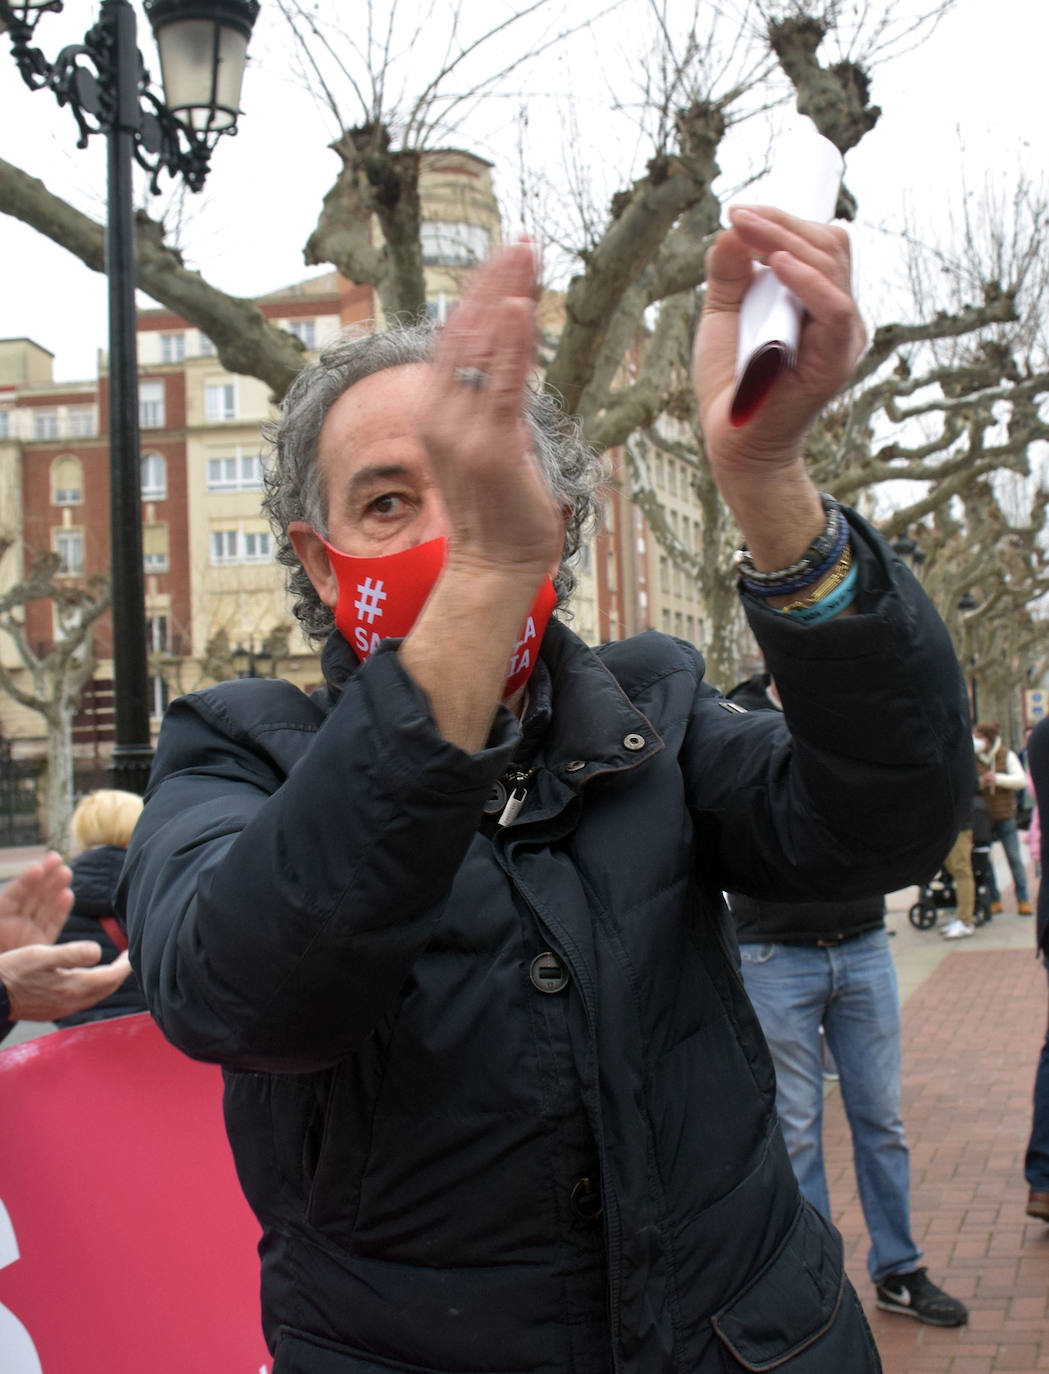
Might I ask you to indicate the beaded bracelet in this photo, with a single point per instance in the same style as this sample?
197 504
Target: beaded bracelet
807 579
815 555
844 594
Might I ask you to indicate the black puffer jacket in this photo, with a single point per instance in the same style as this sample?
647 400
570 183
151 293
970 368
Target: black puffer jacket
95 875
761 922
447 1045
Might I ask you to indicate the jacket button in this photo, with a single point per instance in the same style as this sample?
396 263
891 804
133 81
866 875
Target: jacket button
496 799
575 766
634 742
585 1201
548 972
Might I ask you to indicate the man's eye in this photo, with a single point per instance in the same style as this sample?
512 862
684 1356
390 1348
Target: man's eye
387 504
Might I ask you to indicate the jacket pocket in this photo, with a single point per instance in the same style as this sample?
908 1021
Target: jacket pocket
298 1352
799 1313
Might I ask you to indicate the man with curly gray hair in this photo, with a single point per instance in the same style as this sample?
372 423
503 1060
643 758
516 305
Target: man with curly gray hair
454 926
295 490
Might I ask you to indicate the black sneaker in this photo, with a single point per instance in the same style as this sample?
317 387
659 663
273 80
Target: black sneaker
915 1295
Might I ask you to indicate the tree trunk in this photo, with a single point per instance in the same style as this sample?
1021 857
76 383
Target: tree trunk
59 784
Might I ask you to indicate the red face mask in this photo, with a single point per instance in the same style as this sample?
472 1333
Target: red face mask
381 598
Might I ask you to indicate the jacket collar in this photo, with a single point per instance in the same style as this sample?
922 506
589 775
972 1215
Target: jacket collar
593 726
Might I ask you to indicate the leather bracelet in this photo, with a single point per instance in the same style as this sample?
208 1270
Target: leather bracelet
808 579
817 552
843 595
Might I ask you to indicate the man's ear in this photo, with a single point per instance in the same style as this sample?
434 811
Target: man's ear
313 556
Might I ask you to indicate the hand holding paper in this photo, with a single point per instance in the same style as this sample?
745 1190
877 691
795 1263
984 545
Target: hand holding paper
804 183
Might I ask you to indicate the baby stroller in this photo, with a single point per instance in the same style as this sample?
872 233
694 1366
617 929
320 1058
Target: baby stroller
940 894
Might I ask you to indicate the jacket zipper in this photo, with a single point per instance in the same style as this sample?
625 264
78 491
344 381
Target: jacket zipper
517 781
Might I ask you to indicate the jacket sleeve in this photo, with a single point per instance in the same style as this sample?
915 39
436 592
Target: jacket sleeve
861 785
276 894
1014 778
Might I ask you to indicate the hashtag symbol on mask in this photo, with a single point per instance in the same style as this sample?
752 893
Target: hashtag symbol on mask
368 599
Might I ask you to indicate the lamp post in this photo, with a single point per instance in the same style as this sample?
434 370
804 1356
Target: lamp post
246 661
203 45
905 548
967 604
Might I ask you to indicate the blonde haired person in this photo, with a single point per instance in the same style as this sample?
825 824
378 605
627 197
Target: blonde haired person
102 825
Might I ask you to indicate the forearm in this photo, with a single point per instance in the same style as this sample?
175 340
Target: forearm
877 771
273 918
460 648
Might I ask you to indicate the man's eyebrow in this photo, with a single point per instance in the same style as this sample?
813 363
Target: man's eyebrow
375 472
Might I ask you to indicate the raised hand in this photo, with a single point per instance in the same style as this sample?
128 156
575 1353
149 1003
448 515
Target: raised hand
34 905
814 261
501 515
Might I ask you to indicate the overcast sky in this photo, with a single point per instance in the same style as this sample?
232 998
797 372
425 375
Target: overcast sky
969 103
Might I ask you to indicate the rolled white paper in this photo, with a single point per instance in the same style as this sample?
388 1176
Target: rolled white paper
804 182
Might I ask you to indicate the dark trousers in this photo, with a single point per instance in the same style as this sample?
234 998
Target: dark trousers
1036 1164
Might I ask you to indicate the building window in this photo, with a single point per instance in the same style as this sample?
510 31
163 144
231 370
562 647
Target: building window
690 628
242 543
67 481
45 424
257 545
155 548
440 309
220 401
69 545
659 473
665 618
158 696
80 422
677 624
157 634
223 546
672 477
154 471
172 348
664 573
446 243
151 405
305 331
5 424
207 348
243 472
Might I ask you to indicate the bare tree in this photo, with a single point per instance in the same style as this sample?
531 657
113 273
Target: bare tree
944 396
57 672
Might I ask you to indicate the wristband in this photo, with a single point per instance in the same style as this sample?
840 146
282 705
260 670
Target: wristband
844 594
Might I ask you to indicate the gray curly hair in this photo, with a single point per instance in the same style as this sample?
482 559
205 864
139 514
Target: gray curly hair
294 485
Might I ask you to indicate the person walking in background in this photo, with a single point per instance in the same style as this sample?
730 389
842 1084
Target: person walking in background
959 864
1036 1162
825 965
1001 778
102 824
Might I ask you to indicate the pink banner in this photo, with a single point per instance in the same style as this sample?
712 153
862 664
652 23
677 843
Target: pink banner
126 1246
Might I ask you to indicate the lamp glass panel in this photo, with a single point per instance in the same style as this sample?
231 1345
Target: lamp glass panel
187 51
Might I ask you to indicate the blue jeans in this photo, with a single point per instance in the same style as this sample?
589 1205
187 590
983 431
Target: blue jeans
851 990
1007 833
1036 1164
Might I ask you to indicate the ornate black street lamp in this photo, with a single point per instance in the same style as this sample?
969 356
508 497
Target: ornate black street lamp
249 662
103 80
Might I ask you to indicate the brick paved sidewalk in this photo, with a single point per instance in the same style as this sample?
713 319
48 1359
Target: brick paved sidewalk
972 1032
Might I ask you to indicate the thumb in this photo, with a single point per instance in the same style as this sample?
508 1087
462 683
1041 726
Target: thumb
730 268
76 954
